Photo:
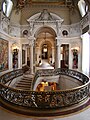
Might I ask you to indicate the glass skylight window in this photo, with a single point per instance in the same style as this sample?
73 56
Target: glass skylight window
7 7
4 7
83 8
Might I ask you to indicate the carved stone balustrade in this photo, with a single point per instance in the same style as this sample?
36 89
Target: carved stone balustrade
26 101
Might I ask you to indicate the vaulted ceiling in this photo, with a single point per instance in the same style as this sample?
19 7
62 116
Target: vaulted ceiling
68 3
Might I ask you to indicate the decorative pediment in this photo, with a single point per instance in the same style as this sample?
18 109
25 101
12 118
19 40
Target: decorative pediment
45 16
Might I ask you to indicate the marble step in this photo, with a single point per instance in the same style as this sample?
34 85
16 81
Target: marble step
26 78
23 83
23 88
30 79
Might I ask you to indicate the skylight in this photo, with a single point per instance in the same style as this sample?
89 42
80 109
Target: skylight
83 8
7 7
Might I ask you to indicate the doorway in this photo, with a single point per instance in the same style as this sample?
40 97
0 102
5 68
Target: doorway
65 56
45 47
44 51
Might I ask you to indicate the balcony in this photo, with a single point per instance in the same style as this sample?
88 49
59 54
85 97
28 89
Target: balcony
44 103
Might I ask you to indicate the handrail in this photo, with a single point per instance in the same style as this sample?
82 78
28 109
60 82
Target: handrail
44 100
52 72
10 75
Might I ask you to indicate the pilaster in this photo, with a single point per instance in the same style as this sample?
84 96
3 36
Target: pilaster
31 43
58 52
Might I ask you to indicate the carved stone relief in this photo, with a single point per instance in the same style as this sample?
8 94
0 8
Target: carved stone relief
45 19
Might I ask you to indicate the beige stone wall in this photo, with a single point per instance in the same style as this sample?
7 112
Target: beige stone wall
15 17
74 16
67 82
70 16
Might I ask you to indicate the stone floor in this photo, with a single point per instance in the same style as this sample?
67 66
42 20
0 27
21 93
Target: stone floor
83 114
80 115
44 65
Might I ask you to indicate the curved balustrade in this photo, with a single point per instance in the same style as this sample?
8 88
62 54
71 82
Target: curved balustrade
52 72
44 100
10 76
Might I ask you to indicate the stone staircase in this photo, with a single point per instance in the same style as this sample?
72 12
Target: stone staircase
25 83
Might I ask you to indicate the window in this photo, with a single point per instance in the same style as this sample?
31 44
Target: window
83 8
7 7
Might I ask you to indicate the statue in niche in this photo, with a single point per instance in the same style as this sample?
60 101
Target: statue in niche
75 59
15 59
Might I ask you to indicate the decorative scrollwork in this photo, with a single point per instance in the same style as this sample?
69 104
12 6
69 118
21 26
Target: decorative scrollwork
49 99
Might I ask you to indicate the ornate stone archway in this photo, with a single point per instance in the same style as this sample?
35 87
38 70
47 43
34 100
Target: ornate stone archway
42 20
45 36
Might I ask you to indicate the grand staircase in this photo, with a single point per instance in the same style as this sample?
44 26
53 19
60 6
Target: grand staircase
25 83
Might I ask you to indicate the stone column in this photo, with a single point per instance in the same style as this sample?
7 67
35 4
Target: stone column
37 55
89 51
58 52
31 43
31 58
26 55
20 56
86 53
10 58
53 55
70 56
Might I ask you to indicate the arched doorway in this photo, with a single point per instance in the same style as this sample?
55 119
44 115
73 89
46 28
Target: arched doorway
65 56
45 46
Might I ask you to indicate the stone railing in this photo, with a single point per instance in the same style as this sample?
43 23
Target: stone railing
10 76
52 72
43 100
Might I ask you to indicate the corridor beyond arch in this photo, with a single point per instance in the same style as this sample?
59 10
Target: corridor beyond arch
45 47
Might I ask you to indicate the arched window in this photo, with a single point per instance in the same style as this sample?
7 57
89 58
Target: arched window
7 7
83 8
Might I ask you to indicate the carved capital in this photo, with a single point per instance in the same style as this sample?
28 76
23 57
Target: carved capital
58 41
31 41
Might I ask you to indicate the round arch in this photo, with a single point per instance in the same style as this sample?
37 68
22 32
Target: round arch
40 24
45 36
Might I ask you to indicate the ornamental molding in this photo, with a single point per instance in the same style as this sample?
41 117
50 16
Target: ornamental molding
31 40
45 18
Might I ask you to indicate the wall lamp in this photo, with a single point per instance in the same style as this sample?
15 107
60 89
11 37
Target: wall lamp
15 47
75 49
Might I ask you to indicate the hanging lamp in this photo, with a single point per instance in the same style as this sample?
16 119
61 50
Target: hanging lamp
45 45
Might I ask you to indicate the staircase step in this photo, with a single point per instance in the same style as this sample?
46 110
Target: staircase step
21 81
27 79
24 88
28 76
25 83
